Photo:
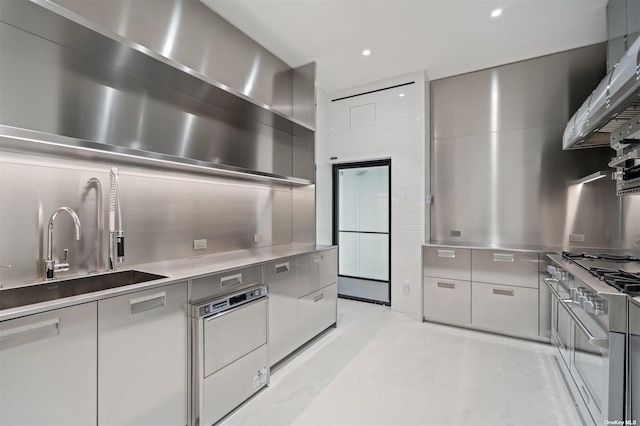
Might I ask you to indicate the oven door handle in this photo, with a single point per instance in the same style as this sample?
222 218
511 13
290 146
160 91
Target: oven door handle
601 342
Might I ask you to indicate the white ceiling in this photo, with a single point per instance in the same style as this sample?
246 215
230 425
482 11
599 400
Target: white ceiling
443 37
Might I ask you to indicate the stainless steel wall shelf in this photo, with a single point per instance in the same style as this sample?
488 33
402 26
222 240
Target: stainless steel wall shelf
57 24
16 139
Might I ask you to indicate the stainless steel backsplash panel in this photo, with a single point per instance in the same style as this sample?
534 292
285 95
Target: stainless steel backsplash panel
498 171
163 212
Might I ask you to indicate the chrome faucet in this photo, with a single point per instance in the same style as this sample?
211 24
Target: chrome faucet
50 265
116 236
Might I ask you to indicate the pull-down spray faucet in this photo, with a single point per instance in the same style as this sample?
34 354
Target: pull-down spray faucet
116 236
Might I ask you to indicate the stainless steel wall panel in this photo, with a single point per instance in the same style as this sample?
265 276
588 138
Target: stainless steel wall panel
190 33
304 214
630 224
532 93
304 160
518 187
304 94
162 214
83 98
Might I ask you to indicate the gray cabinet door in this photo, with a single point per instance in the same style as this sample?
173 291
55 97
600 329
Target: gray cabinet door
446 262
282 278
316 312
48 368
505 309
142 358
317 270
447 301
505 267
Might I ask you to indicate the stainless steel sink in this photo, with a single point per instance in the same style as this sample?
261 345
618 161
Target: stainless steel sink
52 290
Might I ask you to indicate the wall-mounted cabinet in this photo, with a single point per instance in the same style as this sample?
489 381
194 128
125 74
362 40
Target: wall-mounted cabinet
119 88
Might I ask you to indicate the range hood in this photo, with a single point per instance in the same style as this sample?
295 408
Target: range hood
615 103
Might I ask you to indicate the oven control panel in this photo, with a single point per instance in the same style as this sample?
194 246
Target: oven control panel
588 300
223 304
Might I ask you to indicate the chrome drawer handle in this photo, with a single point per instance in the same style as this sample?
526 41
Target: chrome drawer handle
147 303
30 328
318 297
318 259
282 267
231 280
501 257
452 286
451 254
504 292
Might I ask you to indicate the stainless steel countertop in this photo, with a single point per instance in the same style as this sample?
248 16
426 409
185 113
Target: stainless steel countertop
489 246
175 270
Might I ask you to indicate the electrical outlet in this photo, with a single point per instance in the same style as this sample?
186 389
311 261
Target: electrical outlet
576 238
636 242
199 244
405 287
257 238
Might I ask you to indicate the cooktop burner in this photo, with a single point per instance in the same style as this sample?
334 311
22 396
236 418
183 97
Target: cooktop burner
610 268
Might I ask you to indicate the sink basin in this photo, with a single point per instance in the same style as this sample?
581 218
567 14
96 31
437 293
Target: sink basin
52 290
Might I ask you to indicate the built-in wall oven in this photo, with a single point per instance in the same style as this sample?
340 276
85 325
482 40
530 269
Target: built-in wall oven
589 346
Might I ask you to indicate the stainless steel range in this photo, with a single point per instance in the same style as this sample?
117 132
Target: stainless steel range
589 328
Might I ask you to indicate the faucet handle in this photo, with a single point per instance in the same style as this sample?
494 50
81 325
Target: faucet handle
66 255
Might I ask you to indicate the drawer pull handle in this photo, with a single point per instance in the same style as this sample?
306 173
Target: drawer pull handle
504 292
282 267
501 257
447 253
231 280
586 394
318 297
31 328
452 286
147 303
318 259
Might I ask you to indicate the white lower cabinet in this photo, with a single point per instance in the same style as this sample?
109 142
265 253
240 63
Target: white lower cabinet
48 368
142 358
447 301
316 312
505 309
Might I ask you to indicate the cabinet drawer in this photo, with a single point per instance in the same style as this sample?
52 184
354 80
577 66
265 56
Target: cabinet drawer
447 301
316 312
505 267
316 270
328 266
505 309
282 276
225 282
447 262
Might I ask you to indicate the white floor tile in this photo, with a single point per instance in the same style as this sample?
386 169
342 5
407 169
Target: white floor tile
383 368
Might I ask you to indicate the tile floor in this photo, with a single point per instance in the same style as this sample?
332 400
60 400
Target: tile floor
383 368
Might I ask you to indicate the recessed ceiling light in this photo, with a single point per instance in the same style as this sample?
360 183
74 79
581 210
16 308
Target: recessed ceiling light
401 95
366 52
496 13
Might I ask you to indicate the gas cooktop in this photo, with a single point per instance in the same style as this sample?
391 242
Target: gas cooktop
620 271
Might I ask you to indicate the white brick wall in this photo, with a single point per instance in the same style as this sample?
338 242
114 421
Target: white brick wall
400 134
